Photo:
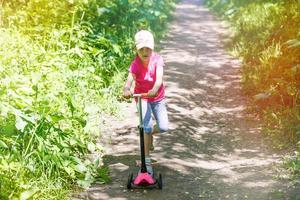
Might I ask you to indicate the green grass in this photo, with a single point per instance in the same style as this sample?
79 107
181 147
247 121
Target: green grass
62 66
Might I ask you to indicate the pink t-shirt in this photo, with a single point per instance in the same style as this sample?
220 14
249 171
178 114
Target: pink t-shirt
146 77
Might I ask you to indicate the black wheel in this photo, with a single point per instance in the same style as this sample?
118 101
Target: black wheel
129 180
159 181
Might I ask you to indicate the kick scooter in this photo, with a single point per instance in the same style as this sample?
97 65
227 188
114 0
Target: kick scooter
143 178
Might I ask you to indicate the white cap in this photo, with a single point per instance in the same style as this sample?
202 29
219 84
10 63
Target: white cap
144 38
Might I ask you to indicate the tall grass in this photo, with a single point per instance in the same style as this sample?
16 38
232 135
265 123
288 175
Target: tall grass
62 65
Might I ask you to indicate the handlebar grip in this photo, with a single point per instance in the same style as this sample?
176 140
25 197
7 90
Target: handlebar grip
140 95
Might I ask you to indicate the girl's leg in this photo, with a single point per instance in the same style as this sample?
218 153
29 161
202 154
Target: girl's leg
155 130
160 113
147 142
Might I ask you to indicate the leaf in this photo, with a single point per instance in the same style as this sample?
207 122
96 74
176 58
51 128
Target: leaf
101 11
156 13
91 109
103 41
56 118
99 147
3 110
9 128
230 11
117 49
70 171
261 96
75 159
3 145
293 43
27 194
78 52
102 174
98 162
72 141
19 114
91 147
81 168
20 123
84 183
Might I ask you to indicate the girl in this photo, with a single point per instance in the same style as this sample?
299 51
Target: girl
146 71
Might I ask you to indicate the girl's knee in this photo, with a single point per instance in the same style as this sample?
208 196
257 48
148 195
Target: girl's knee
148 130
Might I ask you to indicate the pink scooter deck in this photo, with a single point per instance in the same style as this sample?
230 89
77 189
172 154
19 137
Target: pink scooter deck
144 179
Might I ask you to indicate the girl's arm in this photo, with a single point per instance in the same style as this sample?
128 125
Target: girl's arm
127 86
158 82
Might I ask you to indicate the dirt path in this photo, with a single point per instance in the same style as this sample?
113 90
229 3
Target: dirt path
214 149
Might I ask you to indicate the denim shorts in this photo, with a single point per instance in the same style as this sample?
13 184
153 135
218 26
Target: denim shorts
159 111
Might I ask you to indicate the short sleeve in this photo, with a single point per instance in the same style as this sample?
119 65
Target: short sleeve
133 67
160 61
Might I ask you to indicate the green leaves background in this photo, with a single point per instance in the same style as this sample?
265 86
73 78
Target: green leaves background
62 65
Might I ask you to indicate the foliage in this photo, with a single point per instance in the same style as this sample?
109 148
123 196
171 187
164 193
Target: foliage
62 65
267 38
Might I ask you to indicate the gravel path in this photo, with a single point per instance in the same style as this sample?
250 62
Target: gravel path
214 149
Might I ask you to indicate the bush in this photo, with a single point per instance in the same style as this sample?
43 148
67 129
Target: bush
62 65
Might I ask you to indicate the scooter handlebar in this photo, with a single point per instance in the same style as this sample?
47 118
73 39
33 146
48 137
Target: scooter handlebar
140 95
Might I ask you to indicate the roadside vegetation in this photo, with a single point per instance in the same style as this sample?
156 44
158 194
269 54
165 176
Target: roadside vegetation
62 65
267 39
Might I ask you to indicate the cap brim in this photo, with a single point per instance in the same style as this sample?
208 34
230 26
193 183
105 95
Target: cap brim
139 46
145 44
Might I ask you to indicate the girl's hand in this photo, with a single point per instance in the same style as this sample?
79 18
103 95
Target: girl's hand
126 93
152 93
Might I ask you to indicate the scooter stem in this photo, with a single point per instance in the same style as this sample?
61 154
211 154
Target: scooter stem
141 130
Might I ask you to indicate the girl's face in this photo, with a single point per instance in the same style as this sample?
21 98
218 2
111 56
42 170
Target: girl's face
144 54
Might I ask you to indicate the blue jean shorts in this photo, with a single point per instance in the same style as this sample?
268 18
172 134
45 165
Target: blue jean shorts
159 111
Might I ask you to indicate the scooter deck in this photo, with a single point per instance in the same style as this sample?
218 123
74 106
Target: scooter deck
156 184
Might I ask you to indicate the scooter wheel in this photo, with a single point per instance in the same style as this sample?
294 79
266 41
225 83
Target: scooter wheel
159 181
129 180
